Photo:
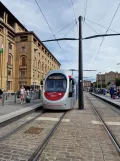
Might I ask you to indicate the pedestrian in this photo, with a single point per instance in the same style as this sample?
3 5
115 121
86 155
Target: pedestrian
118 93
104 91
22 94
1 92
28 96
112 92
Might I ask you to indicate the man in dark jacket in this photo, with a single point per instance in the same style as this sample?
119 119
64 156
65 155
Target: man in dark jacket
112 92
1 92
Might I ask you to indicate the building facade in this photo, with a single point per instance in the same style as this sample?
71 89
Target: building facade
107 77
25 59
100 79
87 84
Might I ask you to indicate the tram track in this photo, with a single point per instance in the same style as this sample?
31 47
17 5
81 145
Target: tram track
37 153
106 127
11 132
21 138
114 107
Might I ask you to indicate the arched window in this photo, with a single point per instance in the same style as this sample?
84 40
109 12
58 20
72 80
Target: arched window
9 59
39 65
23 61
45 68
35 62
42 67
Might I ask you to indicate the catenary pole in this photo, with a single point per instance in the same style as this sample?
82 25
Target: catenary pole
80 68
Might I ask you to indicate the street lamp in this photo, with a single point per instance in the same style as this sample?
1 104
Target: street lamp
34 67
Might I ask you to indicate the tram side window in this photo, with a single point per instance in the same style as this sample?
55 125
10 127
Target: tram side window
71 87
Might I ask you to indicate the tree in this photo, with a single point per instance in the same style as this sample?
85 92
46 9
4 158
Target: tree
108 83
98 85
104 85
117 82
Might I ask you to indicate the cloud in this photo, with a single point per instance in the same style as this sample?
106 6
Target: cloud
59 14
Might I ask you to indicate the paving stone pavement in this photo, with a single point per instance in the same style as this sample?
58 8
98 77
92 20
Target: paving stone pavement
110 115
20 146
6 109
8 128
80 139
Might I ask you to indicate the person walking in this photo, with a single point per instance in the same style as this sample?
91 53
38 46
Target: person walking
112 92
1 92
22 94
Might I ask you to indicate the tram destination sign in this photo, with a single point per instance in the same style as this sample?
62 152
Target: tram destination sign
56 77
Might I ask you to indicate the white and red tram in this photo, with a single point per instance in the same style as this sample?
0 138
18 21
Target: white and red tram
59 90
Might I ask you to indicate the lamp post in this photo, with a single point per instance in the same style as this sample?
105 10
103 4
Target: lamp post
34 68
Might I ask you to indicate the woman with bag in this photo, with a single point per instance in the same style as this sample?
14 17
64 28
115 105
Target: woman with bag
22 94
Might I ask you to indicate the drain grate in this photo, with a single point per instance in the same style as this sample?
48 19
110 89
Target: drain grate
34 130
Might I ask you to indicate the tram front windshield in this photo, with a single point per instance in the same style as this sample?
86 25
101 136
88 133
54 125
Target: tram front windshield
56 83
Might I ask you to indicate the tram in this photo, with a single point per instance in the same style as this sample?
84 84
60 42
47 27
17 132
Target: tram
59 90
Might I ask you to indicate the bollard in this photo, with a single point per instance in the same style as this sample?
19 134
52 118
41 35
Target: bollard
3 99
15 97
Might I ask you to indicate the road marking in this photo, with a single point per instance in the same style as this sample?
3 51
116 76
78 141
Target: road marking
52 119
108 123
48 119
113 123
29 118
97 122
66 120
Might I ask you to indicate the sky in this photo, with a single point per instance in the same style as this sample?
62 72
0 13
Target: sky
59 13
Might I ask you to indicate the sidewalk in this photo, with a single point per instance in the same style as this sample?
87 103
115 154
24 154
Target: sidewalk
11 111
80 139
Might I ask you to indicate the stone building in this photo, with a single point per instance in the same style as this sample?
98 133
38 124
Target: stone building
87 84
25 59
100 78
107 77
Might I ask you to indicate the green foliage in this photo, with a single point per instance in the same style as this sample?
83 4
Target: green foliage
104 85
99 85
108 83
117 81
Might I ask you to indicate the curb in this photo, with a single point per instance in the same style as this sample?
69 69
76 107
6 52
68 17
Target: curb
16 115
111 103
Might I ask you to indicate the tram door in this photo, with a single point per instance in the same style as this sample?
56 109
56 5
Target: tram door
71 91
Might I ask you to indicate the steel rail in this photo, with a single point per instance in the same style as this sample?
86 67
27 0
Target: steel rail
37 153
109 132
114 108
21 126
